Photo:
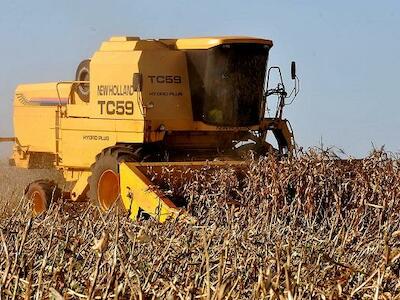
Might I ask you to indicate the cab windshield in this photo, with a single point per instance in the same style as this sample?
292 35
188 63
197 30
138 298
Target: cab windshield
227 83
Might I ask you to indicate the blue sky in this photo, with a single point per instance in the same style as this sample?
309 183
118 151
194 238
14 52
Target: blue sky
347 54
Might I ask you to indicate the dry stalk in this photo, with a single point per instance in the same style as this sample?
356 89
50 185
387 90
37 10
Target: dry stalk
311 227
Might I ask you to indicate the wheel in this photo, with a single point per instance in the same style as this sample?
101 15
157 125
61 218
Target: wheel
83 74
41 193
104 189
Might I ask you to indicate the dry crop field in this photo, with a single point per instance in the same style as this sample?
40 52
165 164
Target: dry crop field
308 228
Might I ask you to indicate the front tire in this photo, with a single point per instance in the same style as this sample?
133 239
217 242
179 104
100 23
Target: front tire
104 188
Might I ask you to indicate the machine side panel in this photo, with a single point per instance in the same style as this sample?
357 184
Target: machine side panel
82 138
35 107
166 90
34 128
112 93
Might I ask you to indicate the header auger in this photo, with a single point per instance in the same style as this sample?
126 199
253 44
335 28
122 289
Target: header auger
137 105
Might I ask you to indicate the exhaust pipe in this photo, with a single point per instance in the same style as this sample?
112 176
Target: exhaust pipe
7 139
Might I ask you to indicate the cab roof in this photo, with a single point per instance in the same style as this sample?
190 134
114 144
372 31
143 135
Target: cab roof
209 42
187 43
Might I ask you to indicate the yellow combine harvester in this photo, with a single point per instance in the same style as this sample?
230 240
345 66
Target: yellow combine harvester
140 104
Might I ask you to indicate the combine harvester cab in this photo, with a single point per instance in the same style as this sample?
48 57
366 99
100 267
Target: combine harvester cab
138 105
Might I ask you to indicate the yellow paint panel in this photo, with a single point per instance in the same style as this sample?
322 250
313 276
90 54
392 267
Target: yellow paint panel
209 42
34 126
124 38
171 103
82 139
130 44
48 90
136 193
124 43
80 186
118 46
35 107
112 83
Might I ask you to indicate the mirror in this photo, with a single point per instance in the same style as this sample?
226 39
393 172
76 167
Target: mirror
137 82
293 70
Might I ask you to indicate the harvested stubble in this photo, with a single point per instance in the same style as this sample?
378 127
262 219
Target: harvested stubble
312 227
